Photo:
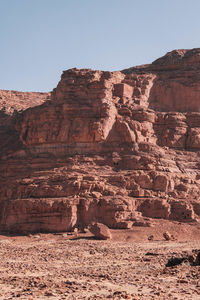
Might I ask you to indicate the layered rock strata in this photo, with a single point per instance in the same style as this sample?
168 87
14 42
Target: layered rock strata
119 148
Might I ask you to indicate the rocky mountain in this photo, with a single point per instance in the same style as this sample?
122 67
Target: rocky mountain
119 148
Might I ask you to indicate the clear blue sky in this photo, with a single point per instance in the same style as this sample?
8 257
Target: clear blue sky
41 38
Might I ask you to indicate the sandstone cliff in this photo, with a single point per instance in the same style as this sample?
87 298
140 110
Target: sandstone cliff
119 148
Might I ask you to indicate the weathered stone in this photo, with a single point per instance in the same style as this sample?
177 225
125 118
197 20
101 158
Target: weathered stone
38 215
182 211
100 231
167 236
154 208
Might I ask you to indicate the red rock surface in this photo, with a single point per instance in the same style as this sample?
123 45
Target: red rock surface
108 147
100 231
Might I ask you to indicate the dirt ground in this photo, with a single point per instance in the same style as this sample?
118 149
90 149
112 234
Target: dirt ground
66 266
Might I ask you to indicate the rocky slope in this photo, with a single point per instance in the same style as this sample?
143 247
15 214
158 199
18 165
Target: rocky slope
119 148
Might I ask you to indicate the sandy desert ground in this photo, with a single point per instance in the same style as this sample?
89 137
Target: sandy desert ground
66 266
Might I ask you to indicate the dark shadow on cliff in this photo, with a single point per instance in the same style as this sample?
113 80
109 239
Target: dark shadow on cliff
9 137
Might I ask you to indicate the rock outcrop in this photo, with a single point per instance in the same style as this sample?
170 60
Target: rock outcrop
108 147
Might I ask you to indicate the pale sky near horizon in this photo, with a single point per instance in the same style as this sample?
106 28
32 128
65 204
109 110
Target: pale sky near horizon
41 38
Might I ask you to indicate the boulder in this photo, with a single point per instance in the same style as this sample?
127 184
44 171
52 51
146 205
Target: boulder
167 236
100 231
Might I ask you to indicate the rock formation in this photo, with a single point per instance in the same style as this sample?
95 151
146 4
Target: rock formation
107 147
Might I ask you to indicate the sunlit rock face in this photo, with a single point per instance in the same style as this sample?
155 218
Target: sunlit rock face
107 147
176 86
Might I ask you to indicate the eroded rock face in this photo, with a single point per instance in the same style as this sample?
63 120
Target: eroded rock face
11 103
38 215
176 85
108 147
81 110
